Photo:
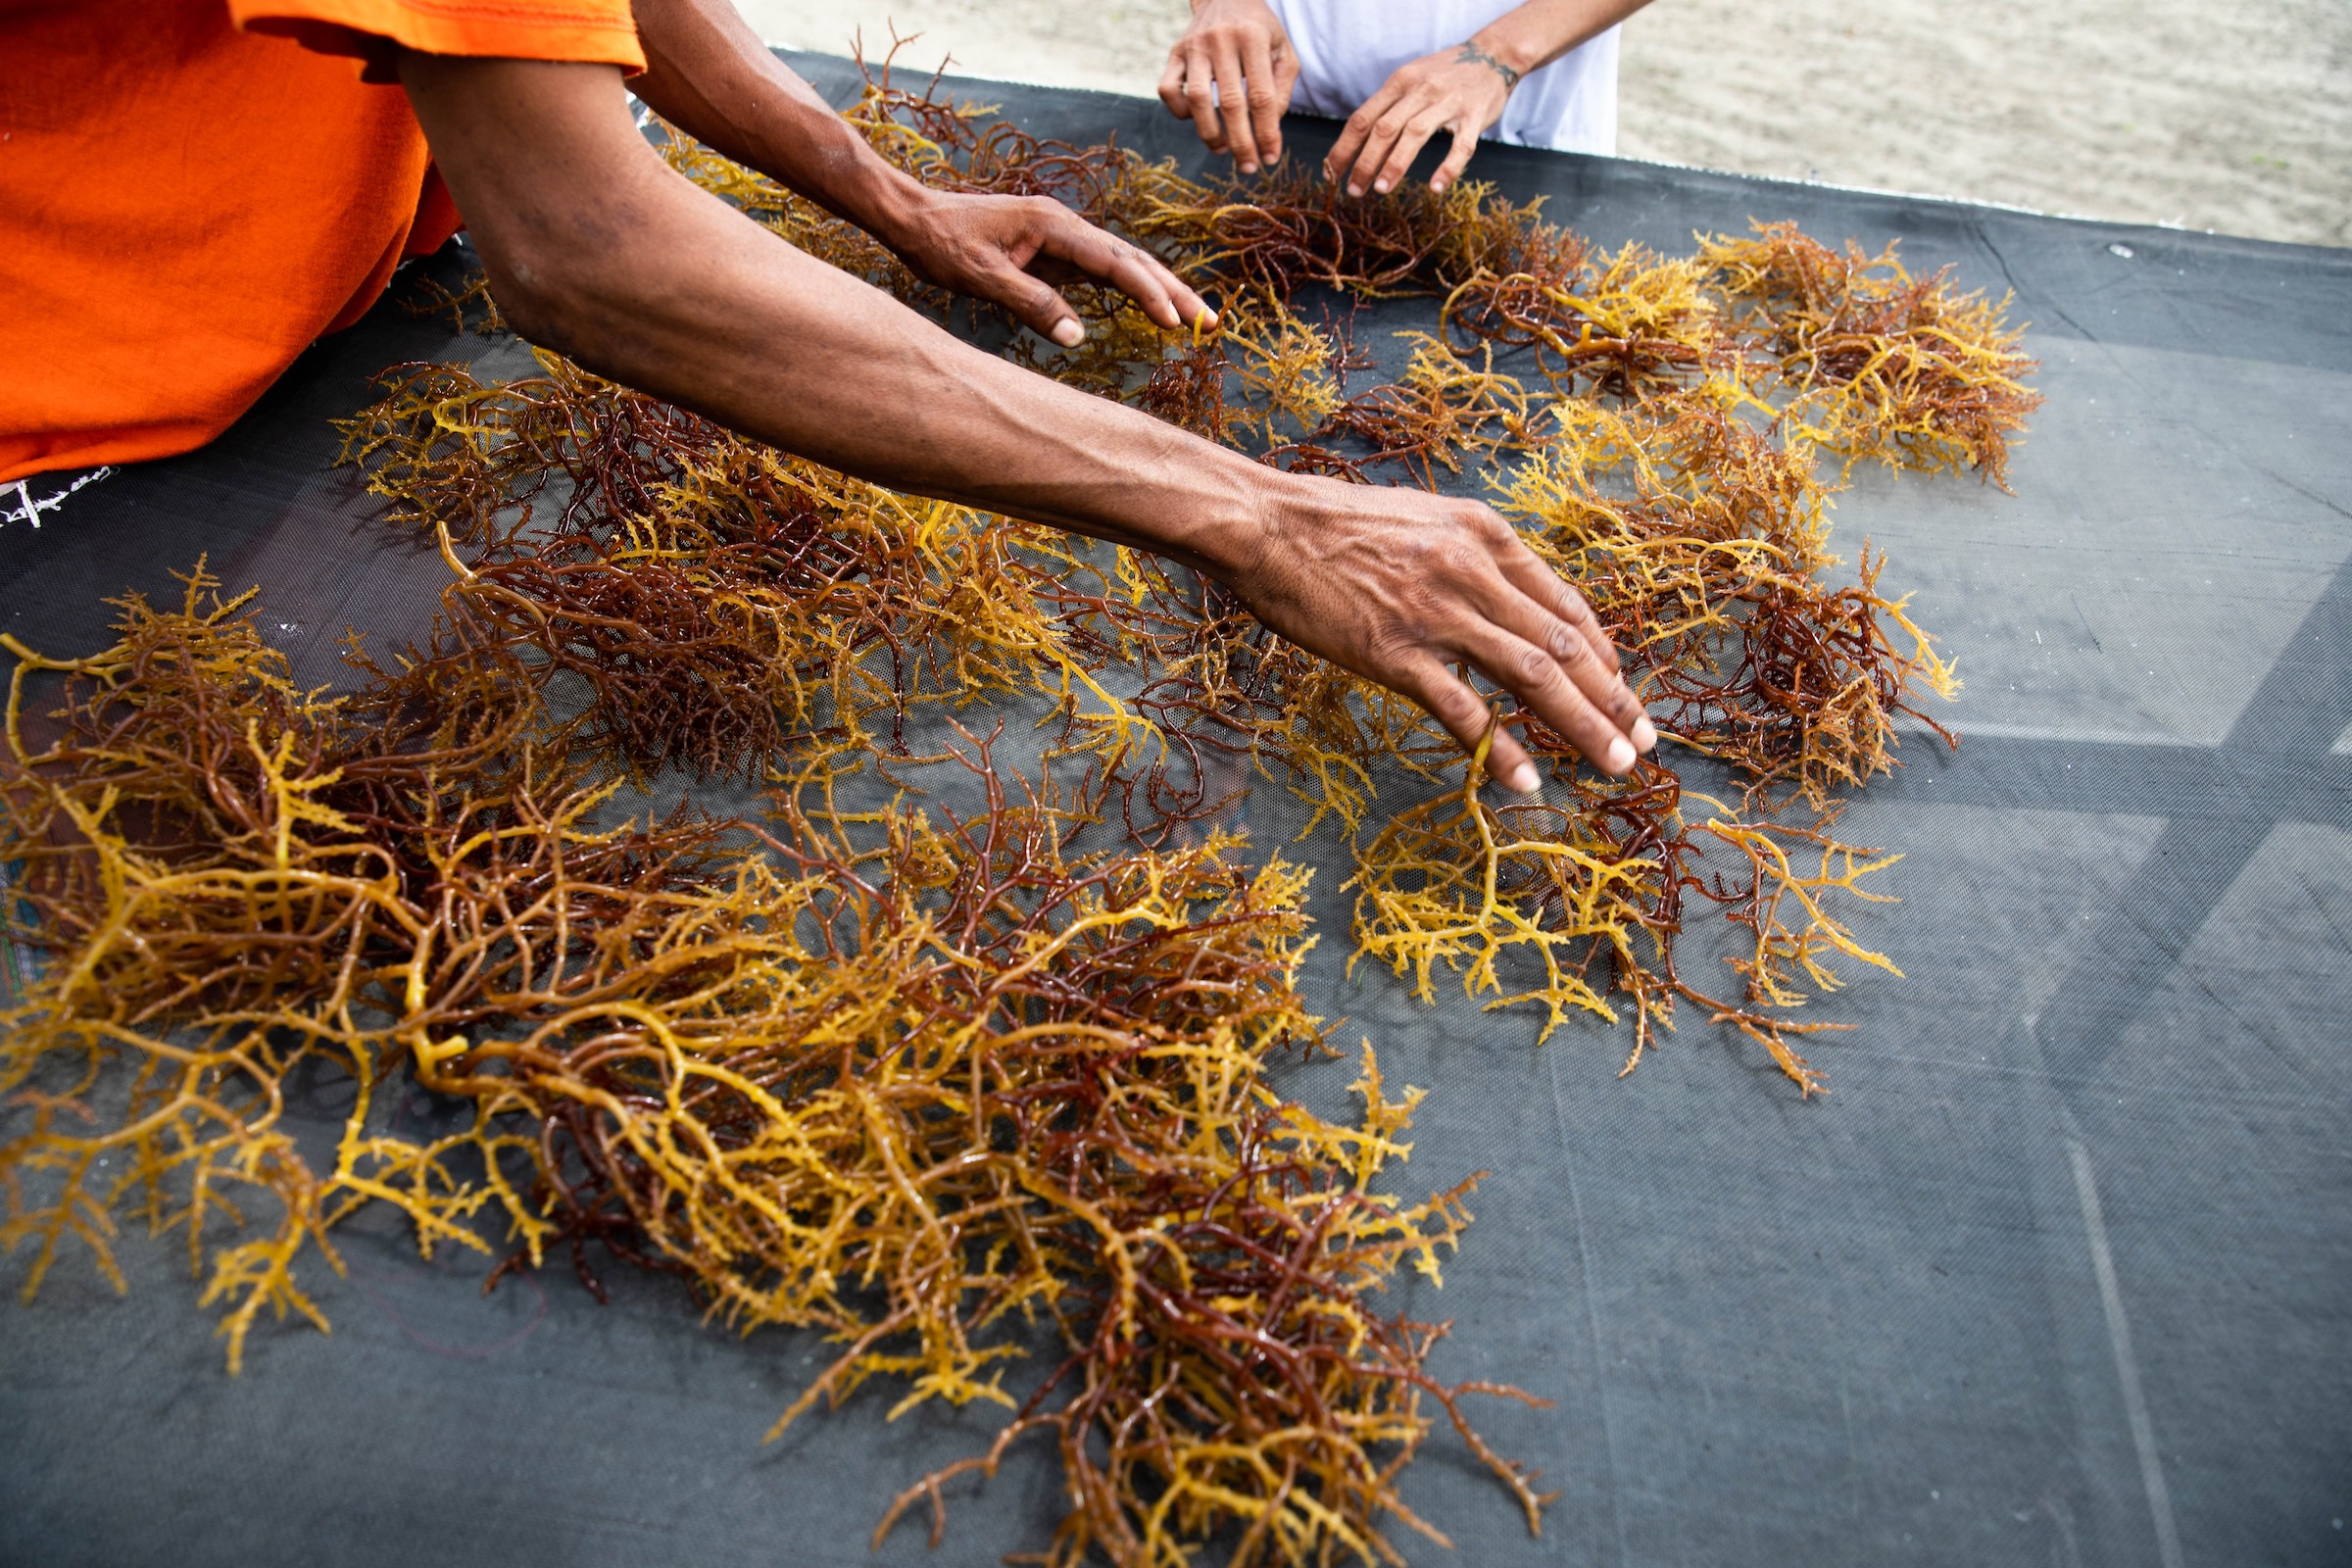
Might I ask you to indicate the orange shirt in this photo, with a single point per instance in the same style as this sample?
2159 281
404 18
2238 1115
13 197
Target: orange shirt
193 190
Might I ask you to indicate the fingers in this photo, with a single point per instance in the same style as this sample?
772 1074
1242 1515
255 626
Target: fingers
1389 138
1404 147
1536 675
1172 79
1380 141
1167 299
1537 638
1141 277
1354 146
1201 105
1285 80
1465 143
1234 108
1231 75
1264 108
1457 704
1552 615
1039 307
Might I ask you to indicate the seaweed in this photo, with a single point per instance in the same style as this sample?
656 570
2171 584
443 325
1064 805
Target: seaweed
944 1088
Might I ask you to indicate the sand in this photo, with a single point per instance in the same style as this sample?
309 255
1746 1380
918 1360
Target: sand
2231 117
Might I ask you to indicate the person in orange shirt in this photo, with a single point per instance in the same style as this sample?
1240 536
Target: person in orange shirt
192 190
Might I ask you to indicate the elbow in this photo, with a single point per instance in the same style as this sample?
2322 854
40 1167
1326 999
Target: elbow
541 299
603 296
571 278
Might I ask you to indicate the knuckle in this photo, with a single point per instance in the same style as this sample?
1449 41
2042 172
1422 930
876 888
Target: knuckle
1424 605
1392 643
1413 555
1484 525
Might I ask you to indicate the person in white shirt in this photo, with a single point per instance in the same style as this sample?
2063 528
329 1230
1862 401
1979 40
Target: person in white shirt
1543 74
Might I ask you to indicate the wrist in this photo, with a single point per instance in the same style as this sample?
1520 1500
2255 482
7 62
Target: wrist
822 157
1509 49
1206 505
896 209
1255 507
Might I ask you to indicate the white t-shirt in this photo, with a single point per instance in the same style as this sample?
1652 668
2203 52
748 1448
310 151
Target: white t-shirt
1347 48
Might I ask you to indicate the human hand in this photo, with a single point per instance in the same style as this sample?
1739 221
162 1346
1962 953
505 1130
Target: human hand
1239 48
1462 90
1399 585
1013 250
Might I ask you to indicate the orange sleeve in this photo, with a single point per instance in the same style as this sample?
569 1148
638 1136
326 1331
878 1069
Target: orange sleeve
597 32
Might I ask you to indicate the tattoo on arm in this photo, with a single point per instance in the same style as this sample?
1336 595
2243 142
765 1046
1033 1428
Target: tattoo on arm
1472 54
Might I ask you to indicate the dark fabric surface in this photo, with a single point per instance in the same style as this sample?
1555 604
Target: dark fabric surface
2060 1272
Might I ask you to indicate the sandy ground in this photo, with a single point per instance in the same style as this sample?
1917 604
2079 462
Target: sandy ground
2206 114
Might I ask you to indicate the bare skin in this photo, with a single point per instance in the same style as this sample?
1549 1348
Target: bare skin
708 71
1238 49
1240 46
597 249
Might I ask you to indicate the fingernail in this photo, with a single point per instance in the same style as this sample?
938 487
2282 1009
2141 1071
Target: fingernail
1355 190
1621 756
1248 168
1208 319
1645 734
1437 186
1381 186
1068 334
1523 779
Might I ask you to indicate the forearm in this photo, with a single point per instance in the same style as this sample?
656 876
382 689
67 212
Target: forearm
709 75
1536 33
600 251
597 249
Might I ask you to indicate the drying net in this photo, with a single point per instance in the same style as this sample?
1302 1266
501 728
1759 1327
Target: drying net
853 905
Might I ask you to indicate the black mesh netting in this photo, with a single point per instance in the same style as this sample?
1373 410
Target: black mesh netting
2059 1272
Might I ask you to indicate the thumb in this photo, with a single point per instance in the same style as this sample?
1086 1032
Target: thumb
1040 306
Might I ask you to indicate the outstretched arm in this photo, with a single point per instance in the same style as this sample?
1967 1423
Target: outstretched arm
708 75
1462 90
597 248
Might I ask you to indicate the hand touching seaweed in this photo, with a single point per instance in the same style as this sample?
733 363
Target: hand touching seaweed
1013 250
1461 91
596 248
708 75
1401 586
1231 75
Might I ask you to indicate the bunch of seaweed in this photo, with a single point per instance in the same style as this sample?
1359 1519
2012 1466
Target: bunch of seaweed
717 603
913 1085
1882 364
936 1086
